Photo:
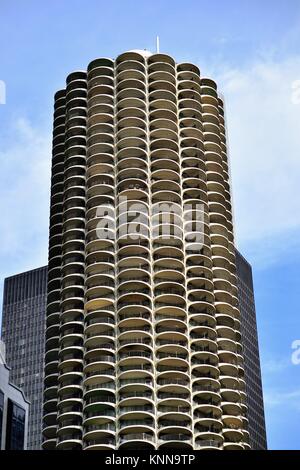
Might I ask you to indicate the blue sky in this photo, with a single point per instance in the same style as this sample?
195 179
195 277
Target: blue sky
252 49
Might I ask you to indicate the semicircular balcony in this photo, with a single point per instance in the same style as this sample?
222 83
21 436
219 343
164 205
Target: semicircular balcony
209 107
162 91
104 78
188 103
162 64
134 189
128 73
206 392
136 441
210 97
131 79
163 103
132 137
97 87
166 74
192 157
71 335
190 113
163 134
70 356
233 432
130 56
127 166
100 66
102 382
165 118
164 82
188 93
175 440
187 81
129 300
186 67
96 66
130 175
164 273
100 414
135 396
133 255
164 174
208 437
100 147
130 122
100 335
135 344
131 93
125 154
172 360
100 110
190 173
175 423
232 408
169 234
136 364
228 364
101 95
130 112
174 384
170 296
171 337
100 261
99 297
132 102
102 129
161 195
70 441
100 184
163 123
100 113
165 169
162 142
135 424
99 405
167 258
180 396
99 436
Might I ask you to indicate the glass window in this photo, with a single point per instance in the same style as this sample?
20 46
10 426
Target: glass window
15 426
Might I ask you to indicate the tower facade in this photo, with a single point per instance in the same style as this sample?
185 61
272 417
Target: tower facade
143 327
23 332
255 402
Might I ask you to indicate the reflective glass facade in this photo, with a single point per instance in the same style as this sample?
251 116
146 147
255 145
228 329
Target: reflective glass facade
23 329
257 429
15 430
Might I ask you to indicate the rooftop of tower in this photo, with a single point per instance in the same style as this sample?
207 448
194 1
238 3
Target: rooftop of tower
143 52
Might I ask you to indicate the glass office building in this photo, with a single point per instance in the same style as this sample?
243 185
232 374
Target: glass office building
256 417
14 408
23 331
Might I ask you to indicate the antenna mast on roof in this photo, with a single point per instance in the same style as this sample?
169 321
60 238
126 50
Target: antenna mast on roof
157 44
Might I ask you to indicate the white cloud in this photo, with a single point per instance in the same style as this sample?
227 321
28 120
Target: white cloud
273 398
24 196
264 141
275 366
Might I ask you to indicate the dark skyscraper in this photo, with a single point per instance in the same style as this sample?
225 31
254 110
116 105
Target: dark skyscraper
23 330
257 430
